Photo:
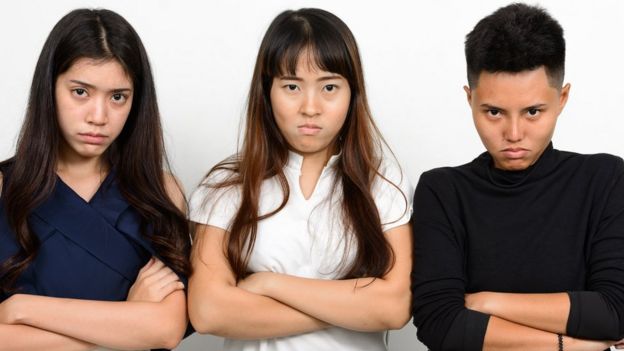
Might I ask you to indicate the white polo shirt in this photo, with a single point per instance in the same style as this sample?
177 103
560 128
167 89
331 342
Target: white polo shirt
305 239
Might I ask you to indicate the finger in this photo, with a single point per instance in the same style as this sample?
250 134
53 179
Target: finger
155 277
155 267
147 266
170 288
169 278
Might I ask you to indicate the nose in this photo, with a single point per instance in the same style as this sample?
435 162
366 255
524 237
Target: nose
98 114
514 130
310 106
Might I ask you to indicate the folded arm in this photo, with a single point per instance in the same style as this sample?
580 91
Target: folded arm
27 338
365 304
119 325
217 306
503 335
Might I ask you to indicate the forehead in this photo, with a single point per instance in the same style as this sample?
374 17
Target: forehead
100 73
307 66
522 88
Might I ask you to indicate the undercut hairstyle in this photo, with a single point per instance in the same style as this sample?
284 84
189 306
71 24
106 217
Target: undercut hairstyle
513 39
137 155
331 47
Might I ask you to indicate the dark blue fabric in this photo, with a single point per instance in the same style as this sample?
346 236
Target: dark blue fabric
89 250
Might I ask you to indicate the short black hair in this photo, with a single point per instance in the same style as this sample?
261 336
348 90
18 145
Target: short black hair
516 38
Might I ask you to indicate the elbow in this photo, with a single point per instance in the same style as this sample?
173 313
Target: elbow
171 341
395 313
205 318
169 335
397 317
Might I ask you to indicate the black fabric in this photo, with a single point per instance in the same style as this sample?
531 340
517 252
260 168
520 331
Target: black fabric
557 226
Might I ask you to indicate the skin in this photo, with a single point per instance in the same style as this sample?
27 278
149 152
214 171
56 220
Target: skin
515 115
310 109
94 99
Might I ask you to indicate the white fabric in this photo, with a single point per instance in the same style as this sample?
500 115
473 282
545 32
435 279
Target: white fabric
304 239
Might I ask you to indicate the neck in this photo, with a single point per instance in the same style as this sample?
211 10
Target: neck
81 167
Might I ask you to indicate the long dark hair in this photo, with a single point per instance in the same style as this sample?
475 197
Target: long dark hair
264 150
137 155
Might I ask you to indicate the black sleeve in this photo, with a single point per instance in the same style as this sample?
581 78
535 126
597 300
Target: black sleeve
438 274
598 312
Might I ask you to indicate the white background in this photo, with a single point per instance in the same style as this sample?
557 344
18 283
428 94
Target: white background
203 52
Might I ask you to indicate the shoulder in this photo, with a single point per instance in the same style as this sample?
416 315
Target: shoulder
442 176
390 173
216 199
174 190
597 166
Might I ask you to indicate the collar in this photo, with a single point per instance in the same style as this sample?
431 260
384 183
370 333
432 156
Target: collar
295 161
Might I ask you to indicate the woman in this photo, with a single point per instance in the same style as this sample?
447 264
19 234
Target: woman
302 238
92 230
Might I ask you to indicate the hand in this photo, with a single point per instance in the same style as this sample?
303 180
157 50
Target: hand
256 283
154 282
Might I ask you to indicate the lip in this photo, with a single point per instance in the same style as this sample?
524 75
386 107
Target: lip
515 152
92 138
309 129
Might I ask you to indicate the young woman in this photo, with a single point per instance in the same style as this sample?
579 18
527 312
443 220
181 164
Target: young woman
302 238
93 237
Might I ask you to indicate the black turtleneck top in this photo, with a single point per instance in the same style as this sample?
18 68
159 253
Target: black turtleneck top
557 226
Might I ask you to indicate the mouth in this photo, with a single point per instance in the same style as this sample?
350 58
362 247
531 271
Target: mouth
92 138
515 152
309 129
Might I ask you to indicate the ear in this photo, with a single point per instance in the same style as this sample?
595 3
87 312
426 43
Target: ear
468 94
563 96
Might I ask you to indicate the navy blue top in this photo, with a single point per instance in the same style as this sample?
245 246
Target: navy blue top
88 250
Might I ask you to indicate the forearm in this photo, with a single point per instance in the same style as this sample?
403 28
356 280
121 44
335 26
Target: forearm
118 325
364 304
548 312
508 336
27 338
234 313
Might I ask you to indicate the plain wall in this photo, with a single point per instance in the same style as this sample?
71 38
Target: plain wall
203 52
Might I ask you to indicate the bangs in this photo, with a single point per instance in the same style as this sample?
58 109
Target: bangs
323 49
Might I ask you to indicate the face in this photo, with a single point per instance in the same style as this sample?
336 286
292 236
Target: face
93 100
515 115
310 108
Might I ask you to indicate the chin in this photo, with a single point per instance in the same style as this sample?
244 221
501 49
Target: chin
514 166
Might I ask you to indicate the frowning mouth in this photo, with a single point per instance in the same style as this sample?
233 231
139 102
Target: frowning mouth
514 152
92 138
309 129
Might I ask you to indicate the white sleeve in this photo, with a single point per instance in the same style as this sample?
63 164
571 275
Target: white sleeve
393 196
215 206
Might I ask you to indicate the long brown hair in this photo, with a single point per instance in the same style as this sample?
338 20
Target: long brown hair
137 155
264 150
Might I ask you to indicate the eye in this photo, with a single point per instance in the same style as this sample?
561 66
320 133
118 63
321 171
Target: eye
119 98
330 87
291 87
493 113
533 112
80 92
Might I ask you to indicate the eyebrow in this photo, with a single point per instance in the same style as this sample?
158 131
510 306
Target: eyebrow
91 86
323 78
492 107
